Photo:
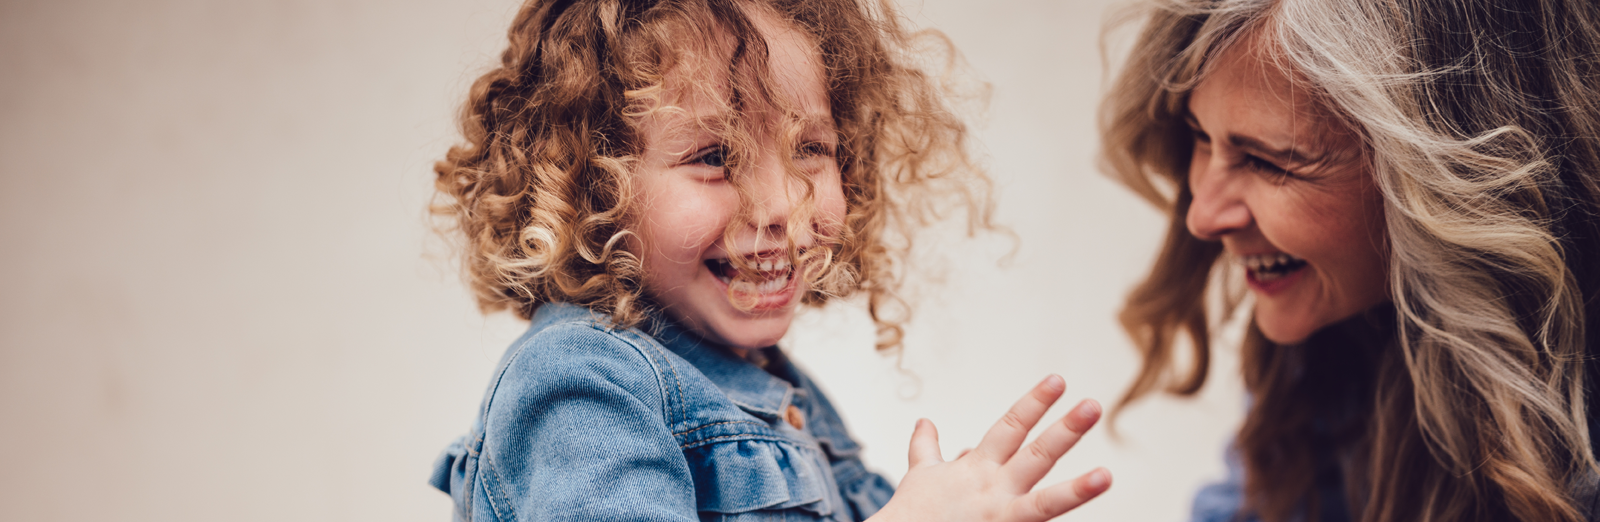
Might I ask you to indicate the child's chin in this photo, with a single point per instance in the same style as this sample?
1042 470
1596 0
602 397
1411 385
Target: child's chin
757 332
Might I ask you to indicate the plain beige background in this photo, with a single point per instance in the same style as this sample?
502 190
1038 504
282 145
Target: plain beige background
220 301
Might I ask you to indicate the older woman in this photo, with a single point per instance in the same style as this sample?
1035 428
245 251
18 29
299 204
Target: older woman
1410 192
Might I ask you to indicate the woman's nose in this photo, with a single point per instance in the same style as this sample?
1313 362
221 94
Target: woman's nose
1217 208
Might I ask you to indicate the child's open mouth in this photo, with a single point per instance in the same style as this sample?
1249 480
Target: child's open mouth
1271 267
772 274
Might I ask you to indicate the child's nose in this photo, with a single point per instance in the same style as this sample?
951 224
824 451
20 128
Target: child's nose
775 195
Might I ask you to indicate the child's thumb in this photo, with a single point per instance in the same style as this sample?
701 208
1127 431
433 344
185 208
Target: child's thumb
925 445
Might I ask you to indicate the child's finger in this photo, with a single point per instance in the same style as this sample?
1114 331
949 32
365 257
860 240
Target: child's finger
1029 466
924 445
1051 502
1006 436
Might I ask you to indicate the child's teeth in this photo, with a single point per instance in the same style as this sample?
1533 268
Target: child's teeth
764 287
769 275
770 265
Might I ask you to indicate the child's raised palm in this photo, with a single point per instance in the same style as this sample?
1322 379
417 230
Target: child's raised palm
995 480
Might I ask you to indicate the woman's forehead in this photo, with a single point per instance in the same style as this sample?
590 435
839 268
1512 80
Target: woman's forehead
1248 98
1253 74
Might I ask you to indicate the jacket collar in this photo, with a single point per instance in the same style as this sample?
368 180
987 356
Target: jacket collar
750 387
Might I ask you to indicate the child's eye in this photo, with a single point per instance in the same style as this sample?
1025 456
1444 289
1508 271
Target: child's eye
714 157
814 149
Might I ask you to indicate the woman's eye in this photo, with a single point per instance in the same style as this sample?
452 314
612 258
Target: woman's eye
1201 137
1264 166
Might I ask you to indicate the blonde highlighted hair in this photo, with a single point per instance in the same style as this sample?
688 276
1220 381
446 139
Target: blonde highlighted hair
1482 127
540 193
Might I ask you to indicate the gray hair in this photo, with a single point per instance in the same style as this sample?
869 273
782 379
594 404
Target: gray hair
1481 124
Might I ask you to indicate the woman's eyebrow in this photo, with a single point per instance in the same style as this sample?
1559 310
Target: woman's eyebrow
1283 156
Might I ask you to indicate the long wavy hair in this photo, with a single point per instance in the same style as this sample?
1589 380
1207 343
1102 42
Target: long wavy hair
1463 398
540 193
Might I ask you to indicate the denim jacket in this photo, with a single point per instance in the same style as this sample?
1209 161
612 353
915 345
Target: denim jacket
1224 501
585 422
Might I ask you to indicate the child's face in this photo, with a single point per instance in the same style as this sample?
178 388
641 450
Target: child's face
687 201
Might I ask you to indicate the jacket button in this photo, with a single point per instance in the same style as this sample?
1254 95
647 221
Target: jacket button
795 418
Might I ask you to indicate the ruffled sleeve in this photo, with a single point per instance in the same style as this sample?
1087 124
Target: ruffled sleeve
451 473
865 492
744 474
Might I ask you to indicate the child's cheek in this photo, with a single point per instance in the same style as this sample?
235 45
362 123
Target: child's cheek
831 209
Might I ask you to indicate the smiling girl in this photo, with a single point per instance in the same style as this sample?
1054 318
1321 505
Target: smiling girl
658 186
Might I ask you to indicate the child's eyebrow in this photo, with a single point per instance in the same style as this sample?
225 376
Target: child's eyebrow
817 122
692 131
693 128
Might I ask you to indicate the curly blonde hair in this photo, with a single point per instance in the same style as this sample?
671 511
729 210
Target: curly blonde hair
540 192
1466 398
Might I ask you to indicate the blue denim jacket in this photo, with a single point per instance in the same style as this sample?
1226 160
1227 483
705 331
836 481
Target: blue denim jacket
1224 501
586 422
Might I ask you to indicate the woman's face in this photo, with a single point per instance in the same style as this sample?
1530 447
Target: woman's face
1285 186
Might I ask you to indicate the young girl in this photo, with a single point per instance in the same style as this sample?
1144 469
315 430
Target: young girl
657 186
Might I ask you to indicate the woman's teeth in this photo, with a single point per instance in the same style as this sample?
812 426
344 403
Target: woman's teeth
1267 267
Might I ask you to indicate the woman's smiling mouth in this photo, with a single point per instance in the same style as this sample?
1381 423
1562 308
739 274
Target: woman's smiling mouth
1270 274
1270 267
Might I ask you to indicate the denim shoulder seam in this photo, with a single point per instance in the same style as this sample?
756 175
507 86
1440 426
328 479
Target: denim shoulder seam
741 436
714 424
500 373
498 503
671 397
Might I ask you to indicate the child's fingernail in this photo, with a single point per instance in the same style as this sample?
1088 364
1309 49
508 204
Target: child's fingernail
1055 381
1083 416
1098 479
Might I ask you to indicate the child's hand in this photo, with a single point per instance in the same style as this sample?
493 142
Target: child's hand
993 481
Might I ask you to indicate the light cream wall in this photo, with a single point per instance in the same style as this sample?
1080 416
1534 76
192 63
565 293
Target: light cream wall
219 300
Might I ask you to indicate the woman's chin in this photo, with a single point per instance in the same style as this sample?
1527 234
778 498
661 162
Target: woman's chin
1284 330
